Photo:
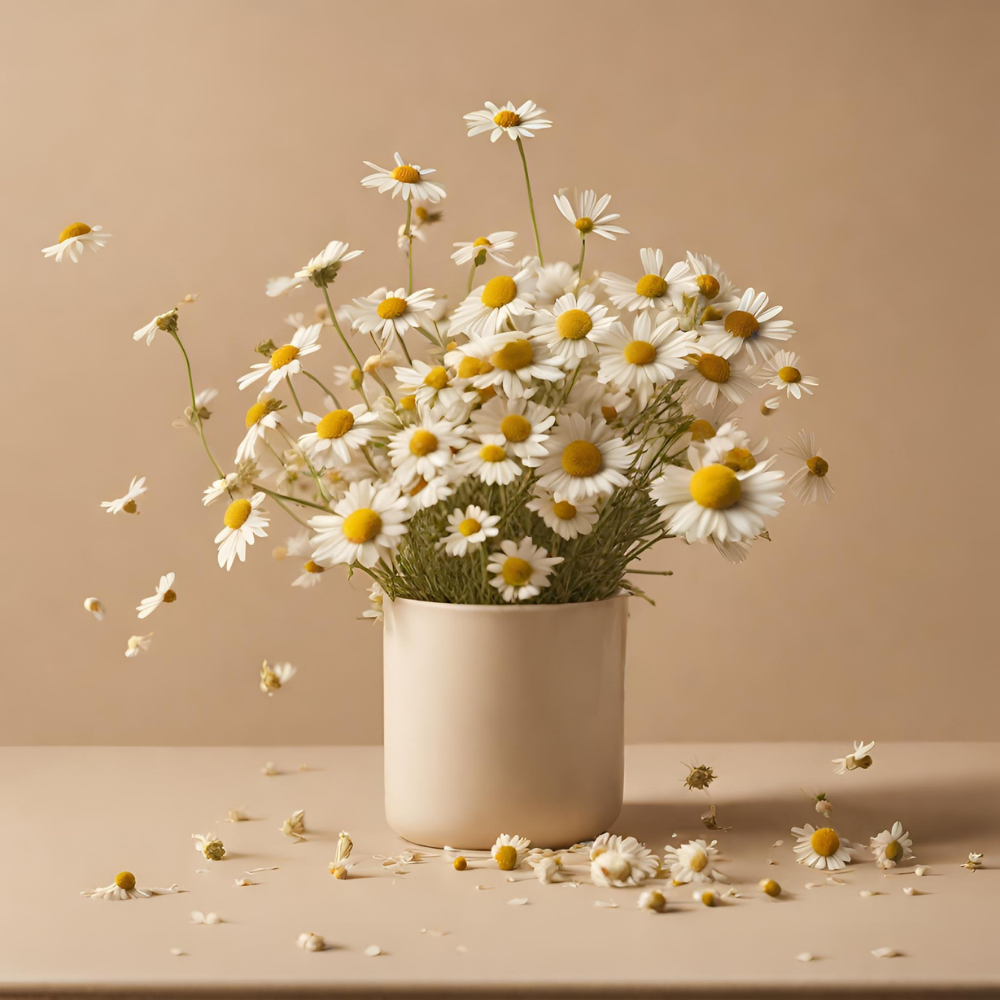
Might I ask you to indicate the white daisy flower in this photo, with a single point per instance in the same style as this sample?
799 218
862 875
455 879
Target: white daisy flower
323 268
95 606
515 361
821 848
424 448
708 418
712 376
809 483
426 493
732 446
468 529
391 314
714 294
859 759
429 384
273 678
589 396
220 488
311 573
714 501
645 358
553 281
338 433
567 520
408 180
367 523
587 217
127 502
621 861
782 372
260 418
276 287
572 326
522 424
750 328
138 644
522 569
167 322
164 595
693 862
494 246
518 123
486 310
509 851
124 887
489 461
243 523
656 287
284 360
586 458
74 238
376 595
403 238
892 847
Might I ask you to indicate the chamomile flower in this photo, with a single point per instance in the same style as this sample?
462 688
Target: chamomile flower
127 503
167 322
429 384
586 459
517 123
164 595
809 482
260 418
311 574
514 361
488 308
95 606
367 523
621 861
860 759
522 424
424 448
751 328
74 238
274 678
284 360
713 295
693 862
509 851
242 524
376 595
572 326
389 314
489 460
338 435
706 419
405 179
782 372
322 269
522 569
710 500
892 847
416 232
733 447
644 358
712 376
468 529
567 520
587 218
654 290
494 246
220 488
821 848
138 644
124 887
426 493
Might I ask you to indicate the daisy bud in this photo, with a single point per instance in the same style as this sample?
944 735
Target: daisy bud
460 864
95 607
699 776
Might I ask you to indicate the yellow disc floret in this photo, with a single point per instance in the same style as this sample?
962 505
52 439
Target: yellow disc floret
361 525
639 352
584 224
517 573
739 460
470 367
237 513
708 285
582 458
335 424
741 324
515 428
651 286
284 356
481 241
564 510
818 466
698 861
499 291
74 229
423 443
574 324
893 850
460 864
825 842
715 486
408 402
391 308
314 567
492 453
513 355
406 174
255 413
712 367
701 430
469 526
771 887
125 880
437 378
789 374
506 118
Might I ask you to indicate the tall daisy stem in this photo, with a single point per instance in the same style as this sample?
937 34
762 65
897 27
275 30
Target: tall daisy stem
332 396
579 267
282 496
408 233
472 277
195 418
531 201
336 326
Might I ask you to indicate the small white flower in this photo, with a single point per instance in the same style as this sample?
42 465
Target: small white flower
165 321
587 217
95 607
284 360
323 268
389 314
860 758
164 595
494 246
488 460
653 900
573 326
311 942
586 459
509 851
424 448
405 179
809 482
567 520
751 328
375 597
712 376
714 293
693 862
821 848
468 529
260 418
707 897
127 503
430 384
657 286
522 424
74 238
366 525
138 644
312 573
220 488
517 123
273 678
892 847
338 435
781 371
548 869
621 861
488 308
124 887
522 569
243 523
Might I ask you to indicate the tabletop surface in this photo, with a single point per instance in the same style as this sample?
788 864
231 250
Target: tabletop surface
72 817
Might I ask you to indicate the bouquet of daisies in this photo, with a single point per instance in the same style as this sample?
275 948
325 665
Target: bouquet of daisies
528 444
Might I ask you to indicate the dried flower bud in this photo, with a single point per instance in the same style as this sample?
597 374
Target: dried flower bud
266 347
209 845
699 776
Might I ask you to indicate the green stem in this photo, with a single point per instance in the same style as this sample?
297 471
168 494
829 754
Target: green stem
291 513
402 343
472 277
323 387
408 233
336 326
305 458
531 201
579 267
282 496
295 396
196 419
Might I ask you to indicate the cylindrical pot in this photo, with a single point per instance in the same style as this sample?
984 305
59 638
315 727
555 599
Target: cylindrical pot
503 720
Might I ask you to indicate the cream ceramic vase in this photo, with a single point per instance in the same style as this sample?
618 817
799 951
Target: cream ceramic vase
503 720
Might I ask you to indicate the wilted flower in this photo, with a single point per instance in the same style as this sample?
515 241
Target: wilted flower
209 845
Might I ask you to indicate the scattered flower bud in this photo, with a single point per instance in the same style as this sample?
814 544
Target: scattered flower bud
770 887
460 864
236 815
700 776
209 845
653 899
295 825
272 678
823 805
198 917
373 951
311 942
711 820
975 861
548 870
908 890
269 770
95 607
804 956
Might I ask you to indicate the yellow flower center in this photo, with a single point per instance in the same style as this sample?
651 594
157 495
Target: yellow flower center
255 413
169 597
789 374
124 880
485 395
564 510
515 428
652 286
616 867
712 367
698 862
422 214
469 527
739 460
237 513
513 355
708 285
284 356
574 324
482 241
74 229
715 486
639 352
701 430
361 526
584 224
499 291
506 118
492 453
130 507
825 842
335 424
423 443
314 567
406 174
741 324
436 378
893 850
391 308
408 402
469 367
581 458
516 572
609 413
818 466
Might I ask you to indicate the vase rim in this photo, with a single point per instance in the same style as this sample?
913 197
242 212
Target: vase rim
622 595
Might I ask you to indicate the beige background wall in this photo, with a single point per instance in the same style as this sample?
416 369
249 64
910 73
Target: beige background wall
843 156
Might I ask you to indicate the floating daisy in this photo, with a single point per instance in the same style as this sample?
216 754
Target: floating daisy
859 759
138 644
127 503
730 445
273 678
312 573
892 847
522 569
493 246
781 371
821 848
587 217
339 434
285 360
488 460
367 523
388 314
167 322
655 288
567 520
74 238
405 179
322 269
468 529
750 328
693 862
517 123
209 845
164 595
586 459
124 887
522 424
509 852
242 524
621 861
574 324
514 361
260 418
712 377
95 606
219 488
424 448
809 482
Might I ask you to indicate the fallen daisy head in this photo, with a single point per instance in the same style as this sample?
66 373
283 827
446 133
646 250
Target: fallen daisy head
693 862
124 887
699 776
621 861
548 869
74 238
138 644
821 848
652 899
707 897
510 851
769 887
975 861
209 845
273 678
892 847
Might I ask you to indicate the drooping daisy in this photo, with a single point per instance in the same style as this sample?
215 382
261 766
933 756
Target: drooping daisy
367 523
219 488
74 238
714 294
260 418
782 372
124 887
284 360
311 574
587 217
644 358
243 523
518 123
376 595
432 383
338 432
404 238
489 460
693 862
860 759
494 246
164 595
522 569
167 322
892 847
712 376
522 424
751 328
127 503
821 848
515 361
509 851
586 459
655 288
572 327
715 501
809 483
621 861
424 448
138 644
468 529
273 678
405 179
486 310
567 520
95 606
392 314
322 269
